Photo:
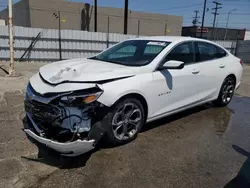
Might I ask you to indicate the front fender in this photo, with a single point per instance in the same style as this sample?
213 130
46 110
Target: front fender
115 90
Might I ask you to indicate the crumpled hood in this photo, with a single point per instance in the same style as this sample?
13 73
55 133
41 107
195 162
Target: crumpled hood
85 70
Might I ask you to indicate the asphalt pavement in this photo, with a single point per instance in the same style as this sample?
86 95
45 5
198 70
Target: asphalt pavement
204 147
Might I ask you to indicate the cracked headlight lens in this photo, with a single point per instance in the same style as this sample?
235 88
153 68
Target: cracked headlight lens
86 98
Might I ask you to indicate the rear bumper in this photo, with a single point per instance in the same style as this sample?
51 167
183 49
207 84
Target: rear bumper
70 148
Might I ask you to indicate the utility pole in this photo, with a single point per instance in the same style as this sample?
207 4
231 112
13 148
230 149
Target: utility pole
215 14
166 26
203 17
58 16
227 22
195 20
108 34
138 30
126 17
95 16
59 34
217 23
11 68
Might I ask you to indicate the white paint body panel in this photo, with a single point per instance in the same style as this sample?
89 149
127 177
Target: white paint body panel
166 92
85 70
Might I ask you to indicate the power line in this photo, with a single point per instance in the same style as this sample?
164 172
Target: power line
238 13
247 1
173 8
234 22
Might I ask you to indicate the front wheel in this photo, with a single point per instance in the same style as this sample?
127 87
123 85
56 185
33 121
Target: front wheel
226 92
124 121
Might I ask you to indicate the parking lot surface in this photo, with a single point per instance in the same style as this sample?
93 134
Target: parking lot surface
203 147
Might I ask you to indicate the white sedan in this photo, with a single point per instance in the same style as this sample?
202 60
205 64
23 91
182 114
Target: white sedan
71 105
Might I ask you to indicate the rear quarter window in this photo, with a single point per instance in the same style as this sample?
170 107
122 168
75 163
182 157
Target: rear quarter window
221 52
206 51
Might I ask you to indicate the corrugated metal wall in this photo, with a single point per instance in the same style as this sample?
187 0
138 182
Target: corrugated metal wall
75 43
243 51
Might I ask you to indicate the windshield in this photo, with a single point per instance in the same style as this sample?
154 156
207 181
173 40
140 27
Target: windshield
133 52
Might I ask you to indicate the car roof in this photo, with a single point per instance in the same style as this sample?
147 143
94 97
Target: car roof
169 38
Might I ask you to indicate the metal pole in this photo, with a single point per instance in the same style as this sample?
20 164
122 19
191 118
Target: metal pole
165 32
216 30
203 16
108 34
59 34
138 31
227 23
11 68
108 25
215 14
195 21
95 16
126 17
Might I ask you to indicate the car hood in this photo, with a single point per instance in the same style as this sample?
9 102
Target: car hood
85 70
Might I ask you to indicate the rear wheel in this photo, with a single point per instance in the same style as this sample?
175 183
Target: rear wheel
226 92
124 121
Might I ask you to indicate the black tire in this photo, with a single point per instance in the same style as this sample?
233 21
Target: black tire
110 136
223 100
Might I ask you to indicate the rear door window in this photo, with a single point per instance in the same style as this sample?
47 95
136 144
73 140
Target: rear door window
206 51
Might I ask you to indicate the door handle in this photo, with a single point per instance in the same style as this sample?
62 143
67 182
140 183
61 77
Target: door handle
222 66
195 71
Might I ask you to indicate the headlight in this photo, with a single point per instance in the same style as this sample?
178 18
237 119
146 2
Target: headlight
82 98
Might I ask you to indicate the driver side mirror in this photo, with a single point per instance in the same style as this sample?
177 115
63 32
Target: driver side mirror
172 64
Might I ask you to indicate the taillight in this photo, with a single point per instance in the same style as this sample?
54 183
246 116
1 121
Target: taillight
241 62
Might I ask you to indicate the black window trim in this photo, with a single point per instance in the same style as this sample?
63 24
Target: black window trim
195 58
216 46
186 64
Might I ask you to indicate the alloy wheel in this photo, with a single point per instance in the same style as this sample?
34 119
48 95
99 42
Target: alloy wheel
227 91
126 121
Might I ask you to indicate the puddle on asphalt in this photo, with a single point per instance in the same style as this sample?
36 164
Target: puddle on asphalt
233 122
222 120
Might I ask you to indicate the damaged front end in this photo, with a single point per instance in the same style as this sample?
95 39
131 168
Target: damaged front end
67 122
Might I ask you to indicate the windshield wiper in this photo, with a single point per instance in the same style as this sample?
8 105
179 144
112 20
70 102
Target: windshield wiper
104 60
94 57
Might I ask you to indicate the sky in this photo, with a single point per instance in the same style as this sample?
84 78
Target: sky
240 18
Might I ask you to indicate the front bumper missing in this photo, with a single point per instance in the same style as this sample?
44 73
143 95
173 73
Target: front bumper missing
75 148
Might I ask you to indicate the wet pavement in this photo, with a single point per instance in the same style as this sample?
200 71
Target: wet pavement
190 149
204 147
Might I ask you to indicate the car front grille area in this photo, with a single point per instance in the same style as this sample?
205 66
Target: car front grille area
60 121
49 118
40 112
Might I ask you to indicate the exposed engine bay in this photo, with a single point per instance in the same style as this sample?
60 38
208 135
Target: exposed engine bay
65 117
